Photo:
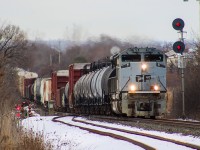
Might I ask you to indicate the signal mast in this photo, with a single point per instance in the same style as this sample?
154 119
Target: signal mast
179 47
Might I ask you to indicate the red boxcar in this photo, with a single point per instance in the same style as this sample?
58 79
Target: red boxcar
75 72
59 80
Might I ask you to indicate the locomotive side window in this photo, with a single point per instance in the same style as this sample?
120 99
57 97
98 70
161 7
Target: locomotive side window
155 57
131 58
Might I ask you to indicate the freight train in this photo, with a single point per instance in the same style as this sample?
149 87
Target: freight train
131 82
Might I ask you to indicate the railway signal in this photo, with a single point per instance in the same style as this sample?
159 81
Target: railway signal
179 46
178 24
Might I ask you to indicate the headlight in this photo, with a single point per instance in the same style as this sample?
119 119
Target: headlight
155 87
132 88
144 67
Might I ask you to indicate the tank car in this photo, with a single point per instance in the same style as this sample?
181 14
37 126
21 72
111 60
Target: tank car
132 82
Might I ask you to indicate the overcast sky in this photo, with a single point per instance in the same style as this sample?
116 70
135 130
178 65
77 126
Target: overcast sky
53 19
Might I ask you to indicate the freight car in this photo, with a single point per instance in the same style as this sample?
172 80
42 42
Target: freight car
59 80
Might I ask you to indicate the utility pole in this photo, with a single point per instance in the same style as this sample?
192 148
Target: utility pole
59 58
59 53
50 59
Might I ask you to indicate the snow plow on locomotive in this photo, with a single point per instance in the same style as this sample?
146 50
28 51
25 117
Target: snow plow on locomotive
131 82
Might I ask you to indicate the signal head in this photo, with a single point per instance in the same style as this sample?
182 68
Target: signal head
178 24
179 47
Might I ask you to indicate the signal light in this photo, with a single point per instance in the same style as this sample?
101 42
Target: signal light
144 66
18 115
178 24
179 47
18 108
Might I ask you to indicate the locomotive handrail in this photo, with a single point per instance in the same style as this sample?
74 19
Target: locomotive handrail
125 85
161 83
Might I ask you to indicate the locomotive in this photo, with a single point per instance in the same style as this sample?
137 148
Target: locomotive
131 82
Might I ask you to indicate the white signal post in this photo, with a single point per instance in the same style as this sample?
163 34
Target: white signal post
182 77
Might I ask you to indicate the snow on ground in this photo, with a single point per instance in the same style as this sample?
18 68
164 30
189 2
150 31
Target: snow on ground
65 137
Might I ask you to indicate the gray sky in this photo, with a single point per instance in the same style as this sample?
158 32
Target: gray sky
53 19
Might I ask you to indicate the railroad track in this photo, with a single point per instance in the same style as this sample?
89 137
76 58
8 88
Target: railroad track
142 145
116 136
169 122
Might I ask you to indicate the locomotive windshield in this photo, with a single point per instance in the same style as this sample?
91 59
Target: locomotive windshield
153 57
131 58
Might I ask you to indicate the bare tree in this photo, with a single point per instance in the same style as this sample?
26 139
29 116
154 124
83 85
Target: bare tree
12 44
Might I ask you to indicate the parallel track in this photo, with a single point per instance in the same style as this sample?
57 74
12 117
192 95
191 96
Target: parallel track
177 123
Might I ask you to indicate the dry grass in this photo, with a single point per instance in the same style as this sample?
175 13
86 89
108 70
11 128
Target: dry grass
12 137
